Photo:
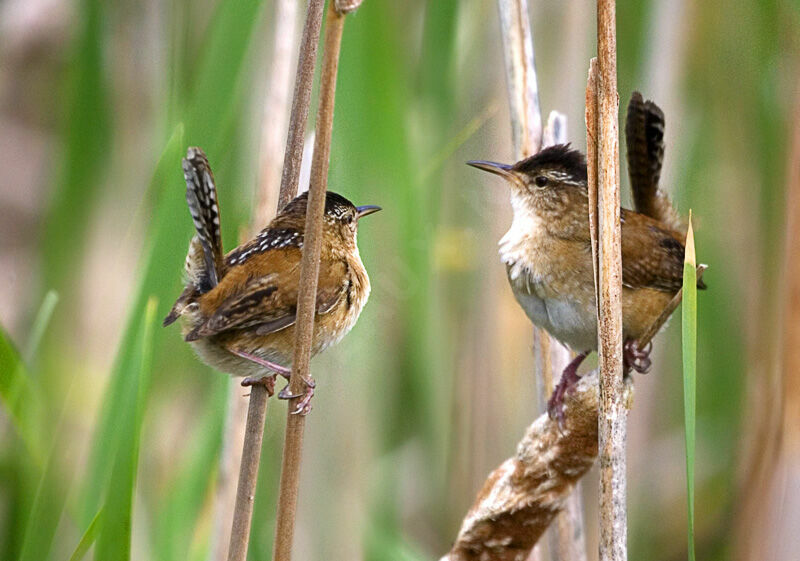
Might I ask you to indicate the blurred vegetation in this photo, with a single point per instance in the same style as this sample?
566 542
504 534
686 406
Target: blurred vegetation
111 429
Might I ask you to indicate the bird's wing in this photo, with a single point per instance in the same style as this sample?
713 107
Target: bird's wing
652 256
269 303
644 137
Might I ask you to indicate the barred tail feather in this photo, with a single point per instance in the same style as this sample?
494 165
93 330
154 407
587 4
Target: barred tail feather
201 195
644 136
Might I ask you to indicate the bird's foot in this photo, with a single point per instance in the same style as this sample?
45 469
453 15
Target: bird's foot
635 358
303 406
267 381
555 405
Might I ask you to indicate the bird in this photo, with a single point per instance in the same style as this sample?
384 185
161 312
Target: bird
238 309
547 250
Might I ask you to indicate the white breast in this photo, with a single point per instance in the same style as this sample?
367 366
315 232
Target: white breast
570 321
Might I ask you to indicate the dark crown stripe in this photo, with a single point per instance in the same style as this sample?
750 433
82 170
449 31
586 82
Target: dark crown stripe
559 156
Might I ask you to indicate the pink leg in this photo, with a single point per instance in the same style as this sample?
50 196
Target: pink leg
269 379
555 405
277 368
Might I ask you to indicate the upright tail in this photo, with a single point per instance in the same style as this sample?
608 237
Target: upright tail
644 135
201 194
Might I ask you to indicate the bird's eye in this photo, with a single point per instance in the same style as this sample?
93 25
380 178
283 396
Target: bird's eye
540 181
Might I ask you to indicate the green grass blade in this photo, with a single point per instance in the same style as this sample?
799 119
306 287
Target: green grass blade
188 490
21 402
114 537
86 131
689 346
49 499
40 324
88 538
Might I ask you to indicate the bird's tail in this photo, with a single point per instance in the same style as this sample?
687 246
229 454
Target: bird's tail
644 135
201 194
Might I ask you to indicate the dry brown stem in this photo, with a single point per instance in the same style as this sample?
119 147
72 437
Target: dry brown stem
301 100
248 474
613 415
306 302
523 93
256 414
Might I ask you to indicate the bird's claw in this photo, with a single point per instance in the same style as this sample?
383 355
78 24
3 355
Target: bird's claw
636 358
304 405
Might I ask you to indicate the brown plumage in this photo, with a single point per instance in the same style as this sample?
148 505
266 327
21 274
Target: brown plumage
547 252
239 310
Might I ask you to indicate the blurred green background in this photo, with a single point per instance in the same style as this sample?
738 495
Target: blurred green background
103 409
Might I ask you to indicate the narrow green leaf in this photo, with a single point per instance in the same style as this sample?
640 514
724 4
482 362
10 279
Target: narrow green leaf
86 130
21 402
689 344
88 538
189 488
49 500
114 537
40 324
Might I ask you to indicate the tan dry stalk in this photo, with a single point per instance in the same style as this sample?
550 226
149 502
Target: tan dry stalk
256 414
306 302
613 415
303 82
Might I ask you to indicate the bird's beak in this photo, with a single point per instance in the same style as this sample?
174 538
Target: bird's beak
503 170
365 210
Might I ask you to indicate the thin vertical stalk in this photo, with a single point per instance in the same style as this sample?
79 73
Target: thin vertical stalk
230 463
612 418
523 92
276 105
248 474
306 302
300 102
257 409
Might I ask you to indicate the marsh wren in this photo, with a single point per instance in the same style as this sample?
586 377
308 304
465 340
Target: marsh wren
547 250
239 309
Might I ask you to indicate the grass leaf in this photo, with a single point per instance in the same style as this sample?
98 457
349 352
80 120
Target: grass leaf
114 537
40 324
21 403
88 538
689 346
